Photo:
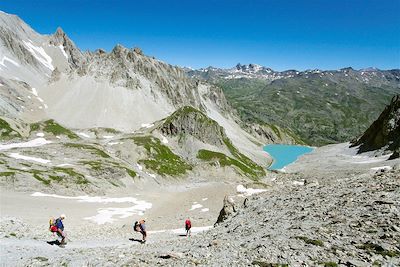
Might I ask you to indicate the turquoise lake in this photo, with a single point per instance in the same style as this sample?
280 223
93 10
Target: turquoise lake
283 155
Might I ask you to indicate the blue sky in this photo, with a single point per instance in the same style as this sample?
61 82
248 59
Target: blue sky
280 34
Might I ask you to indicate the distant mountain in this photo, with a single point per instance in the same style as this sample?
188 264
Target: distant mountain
321 107
384 133
111 117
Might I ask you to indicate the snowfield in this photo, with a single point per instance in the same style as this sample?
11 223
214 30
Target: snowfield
32 143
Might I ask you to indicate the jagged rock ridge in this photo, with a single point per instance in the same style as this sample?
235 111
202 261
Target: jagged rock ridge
384 132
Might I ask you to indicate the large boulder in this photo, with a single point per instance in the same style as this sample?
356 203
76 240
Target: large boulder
227 210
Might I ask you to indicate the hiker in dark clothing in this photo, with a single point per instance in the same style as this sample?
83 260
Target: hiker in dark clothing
140 226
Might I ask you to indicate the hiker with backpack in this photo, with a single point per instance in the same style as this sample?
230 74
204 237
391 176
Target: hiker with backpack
188 226
140 226
57 226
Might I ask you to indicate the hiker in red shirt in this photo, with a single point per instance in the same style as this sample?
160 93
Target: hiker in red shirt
188 225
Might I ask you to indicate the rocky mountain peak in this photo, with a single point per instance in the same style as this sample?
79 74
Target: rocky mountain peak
74 55
190 121
138 50
60 32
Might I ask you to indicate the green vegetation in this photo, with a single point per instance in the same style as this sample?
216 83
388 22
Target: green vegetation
56 174
94 150
37 176
256 169
317 108
161 159
98 165
6 132
130 172
377 249
94 165
50 126
13 234
56 178
224 160
78 177
111 130
6 174
184 111
314 242
330 264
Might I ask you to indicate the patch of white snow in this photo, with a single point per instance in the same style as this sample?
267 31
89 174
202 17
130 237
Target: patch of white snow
248 191
18 156
196 206
32 143
40 55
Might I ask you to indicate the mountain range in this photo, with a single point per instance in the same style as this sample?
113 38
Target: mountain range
115 116
320 107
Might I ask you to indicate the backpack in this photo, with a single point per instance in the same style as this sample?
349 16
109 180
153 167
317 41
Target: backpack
136 226
52 225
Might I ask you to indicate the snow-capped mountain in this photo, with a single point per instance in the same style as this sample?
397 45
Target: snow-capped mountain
254 71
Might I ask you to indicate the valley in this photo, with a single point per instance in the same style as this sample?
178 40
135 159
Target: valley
109 138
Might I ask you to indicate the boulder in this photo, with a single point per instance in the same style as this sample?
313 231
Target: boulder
227 210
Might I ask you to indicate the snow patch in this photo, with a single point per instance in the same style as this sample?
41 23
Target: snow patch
40 55
151 175
194 230
40 134
248 191
164 140
84 134
147 125
9 60
63 51
139 167
204 199
34 92
196 206
64 165
113 143
18 156
105 215
108 136
386 168
298 182
32 143
205 210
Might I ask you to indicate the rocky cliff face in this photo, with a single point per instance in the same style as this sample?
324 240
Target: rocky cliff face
384 133
189 121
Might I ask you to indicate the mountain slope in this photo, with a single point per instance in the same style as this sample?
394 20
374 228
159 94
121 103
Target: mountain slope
319 106
95 116
384 132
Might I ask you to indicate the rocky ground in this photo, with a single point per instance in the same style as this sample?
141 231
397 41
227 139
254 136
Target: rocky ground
302 219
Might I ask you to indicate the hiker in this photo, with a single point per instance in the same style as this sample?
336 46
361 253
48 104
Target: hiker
140 226
188 226
57 226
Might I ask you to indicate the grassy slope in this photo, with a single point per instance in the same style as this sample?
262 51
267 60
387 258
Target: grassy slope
319 113
160 158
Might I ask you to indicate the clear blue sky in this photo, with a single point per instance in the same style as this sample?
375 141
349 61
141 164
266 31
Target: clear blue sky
281 34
